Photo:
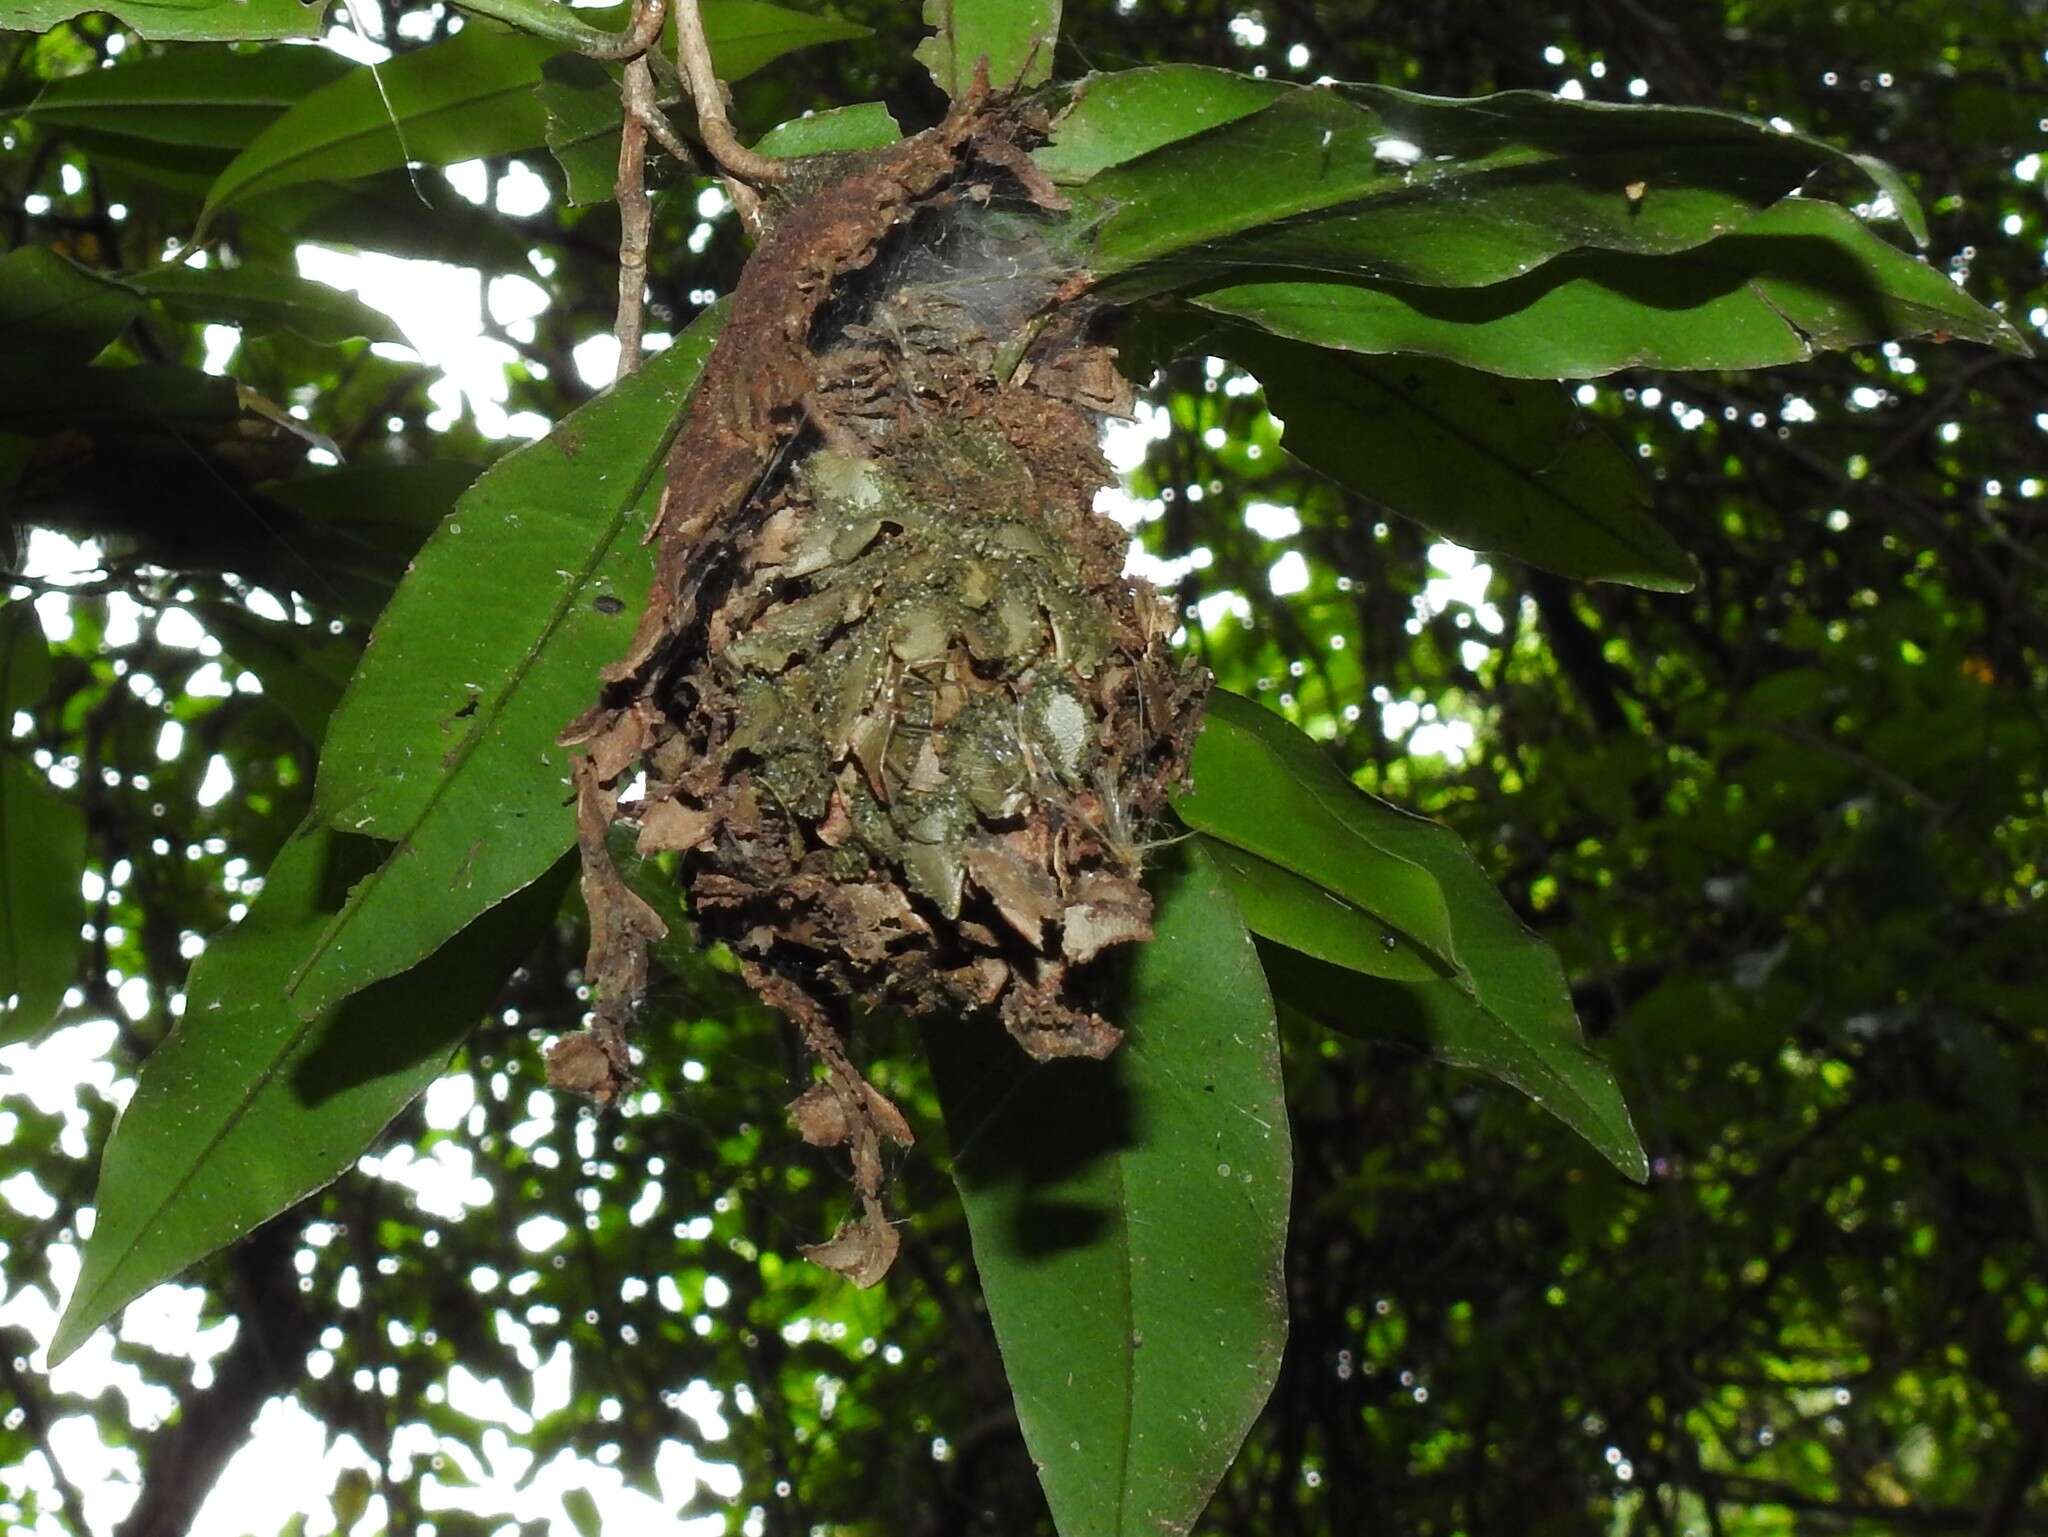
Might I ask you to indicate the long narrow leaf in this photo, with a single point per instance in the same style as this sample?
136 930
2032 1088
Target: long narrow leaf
1128 1220
443 744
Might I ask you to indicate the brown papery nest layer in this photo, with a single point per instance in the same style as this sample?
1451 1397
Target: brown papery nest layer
902 718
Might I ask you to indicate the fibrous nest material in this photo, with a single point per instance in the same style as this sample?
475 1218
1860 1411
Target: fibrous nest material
901 717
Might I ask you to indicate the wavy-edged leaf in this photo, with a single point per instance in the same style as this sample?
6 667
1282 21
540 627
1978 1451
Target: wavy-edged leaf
1113 118
262 299
202 98
1801 278
1502 465
246 1107
1504 1009
1129 1218
188 21
1278 796
1015 36
42 851
444 742
1367 181
51 308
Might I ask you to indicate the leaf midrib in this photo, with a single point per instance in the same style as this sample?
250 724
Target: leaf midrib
485 718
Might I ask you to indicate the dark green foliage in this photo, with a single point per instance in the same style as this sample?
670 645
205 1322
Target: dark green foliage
1763 800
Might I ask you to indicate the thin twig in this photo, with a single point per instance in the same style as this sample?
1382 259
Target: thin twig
744 170
636 215
640 36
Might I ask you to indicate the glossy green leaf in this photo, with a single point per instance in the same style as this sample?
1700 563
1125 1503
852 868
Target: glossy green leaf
204 98
579 102
1502 1007
246 1107
42 850
1562 1074
1803 277
837 130
1129 1218
1015 36
1311 918
1110 119
191 21
51 308
264 299
1377 183
1496 464
466 97
443 744
1260 785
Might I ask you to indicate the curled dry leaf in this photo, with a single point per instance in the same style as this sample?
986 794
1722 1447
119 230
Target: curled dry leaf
901 715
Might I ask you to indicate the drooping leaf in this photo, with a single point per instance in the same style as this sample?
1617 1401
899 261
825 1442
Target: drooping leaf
204 98
1317 921
1503 1007
247 1107
1801 278
190 21
1128 1219
1287 804
263 299
1110 119
1015 36
1496 464
1440 1018
443 744
42 850
53 309
1370 182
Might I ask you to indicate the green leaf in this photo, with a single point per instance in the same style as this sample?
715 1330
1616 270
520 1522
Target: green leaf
203 98
42 850
246 1107
1803 277
190 21
37 397
263 299
51 308
1504 1009
1015 36
1113 118
1260 785
1281 905
466 97
837 130
444 742
1496 464
1129 1219
1440 1018
747 35
1377 183
579 102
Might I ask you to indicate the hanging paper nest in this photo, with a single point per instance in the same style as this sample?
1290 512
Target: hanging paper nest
901 717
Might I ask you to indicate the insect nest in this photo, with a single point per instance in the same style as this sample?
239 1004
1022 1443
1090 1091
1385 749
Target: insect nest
901 716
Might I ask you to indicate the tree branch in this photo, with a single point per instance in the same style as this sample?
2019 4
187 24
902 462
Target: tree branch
744 170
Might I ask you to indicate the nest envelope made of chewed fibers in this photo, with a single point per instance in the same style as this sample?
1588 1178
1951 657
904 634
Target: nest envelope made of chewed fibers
900 715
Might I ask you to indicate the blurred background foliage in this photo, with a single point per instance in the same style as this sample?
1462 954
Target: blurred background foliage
1788 832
